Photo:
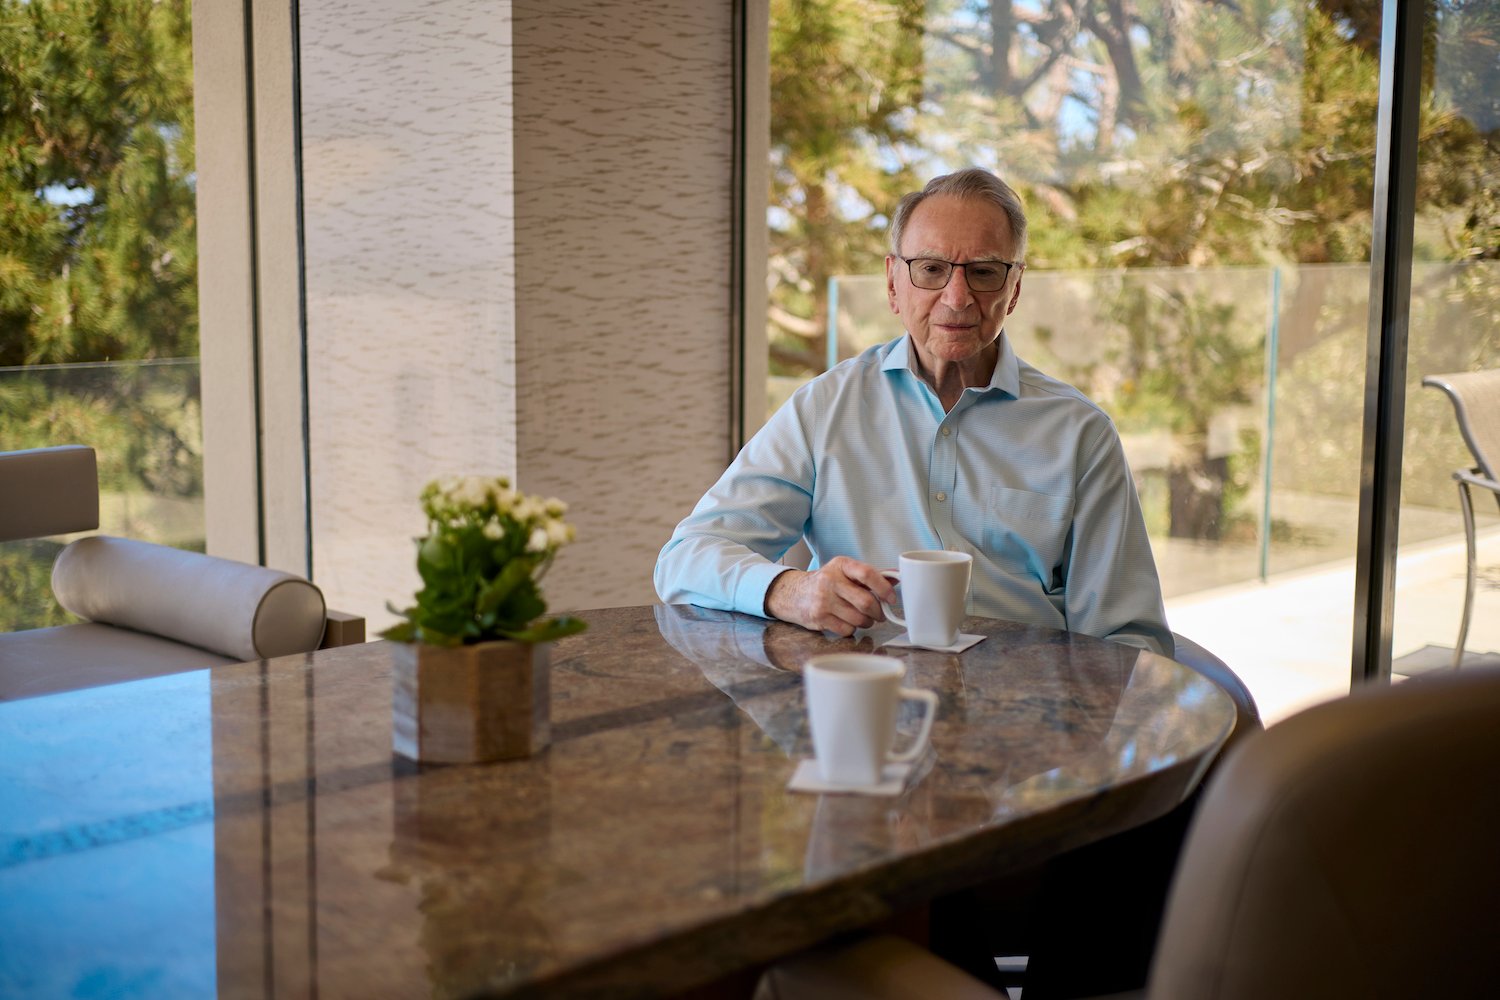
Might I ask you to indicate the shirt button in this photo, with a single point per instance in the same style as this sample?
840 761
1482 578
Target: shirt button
941 497
947 431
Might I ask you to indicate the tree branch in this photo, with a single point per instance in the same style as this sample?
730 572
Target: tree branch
792 323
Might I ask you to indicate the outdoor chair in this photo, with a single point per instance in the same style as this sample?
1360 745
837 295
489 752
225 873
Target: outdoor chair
149 609
1476 404
1346 853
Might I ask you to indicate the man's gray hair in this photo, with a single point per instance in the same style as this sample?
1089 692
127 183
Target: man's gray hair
971 183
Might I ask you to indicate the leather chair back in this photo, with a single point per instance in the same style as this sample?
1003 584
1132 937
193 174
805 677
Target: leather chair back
48 491
1349 852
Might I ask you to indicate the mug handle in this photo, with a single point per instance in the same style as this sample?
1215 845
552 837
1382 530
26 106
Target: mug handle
890 614
920 743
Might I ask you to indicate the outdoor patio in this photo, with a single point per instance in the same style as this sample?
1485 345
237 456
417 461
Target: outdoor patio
1289 637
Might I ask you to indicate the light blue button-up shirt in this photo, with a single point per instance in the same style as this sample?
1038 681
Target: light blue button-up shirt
1025 474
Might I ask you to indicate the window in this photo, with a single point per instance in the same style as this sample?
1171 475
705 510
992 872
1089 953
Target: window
1199 180
98 262
1454 328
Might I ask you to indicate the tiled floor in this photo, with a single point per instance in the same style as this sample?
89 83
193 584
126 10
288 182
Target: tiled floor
1289 638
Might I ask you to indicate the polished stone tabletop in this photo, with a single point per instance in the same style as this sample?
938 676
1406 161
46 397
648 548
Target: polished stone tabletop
246 830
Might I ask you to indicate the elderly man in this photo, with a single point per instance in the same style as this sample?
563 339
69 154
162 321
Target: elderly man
941 439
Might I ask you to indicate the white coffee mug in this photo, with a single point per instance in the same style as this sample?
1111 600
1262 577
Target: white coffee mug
851 705
934 595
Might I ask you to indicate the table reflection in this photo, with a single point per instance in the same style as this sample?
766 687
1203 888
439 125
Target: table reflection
1026 719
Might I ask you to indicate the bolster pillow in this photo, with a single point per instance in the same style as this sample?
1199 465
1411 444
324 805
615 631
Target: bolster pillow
231 608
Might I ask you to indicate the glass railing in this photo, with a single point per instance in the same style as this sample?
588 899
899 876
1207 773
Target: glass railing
144 420
1239 395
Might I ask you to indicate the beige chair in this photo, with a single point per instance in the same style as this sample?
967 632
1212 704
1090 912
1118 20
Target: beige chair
1348 852
1107 897
148 609
1476 404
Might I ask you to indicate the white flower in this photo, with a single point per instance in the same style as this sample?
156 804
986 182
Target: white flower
528 509
493 530
555 507
538 540
470 492
558 533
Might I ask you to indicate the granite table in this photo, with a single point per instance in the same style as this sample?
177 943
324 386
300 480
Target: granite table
246 830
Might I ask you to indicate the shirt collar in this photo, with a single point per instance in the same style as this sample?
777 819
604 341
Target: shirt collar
1007 376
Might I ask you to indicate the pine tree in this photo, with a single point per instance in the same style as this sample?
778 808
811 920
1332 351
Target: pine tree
97 238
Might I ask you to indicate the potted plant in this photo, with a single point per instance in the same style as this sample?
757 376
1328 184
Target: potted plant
471 669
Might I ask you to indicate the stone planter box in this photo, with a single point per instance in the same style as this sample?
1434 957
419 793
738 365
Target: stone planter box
470 704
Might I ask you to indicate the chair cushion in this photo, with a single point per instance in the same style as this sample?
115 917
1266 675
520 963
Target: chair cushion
42 661
231 608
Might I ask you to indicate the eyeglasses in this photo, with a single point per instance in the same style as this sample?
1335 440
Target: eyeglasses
932 274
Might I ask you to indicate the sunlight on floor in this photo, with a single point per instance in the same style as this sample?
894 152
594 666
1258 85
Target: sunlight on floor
1290 637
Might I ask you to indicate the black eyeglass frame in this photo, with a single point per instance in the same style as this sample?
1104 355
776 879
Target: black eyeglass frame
953 265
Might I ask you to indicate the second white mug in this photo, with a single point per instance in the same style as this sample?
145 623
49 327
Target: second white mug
934 595
851 709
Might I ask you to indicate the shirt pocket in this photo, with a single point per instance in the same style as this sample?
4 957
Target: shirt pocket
1026 533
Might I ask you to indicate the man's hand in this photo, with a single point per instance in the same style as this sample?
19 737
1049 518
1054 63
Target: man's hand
842 595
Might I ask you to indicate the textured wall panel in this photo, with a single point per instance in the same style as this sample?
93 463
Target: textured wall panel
574 334
624 136
407 187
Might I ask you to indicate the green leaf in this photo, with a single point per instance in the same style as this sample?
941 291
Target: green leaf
524 606
436 560
550 630
400 632
473 547
437 638
501 587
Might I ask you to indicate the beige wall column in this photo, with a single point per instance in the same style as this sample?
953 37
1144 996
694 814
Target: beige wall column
226 293
624 169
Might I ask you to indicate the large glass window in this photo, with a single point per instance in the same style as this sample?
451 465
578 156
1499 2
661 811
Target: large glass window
1199 180
98 261
1454 330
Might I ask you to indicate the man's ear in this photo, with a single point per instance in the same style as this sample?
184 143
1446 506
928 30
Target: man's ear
1016 295
890 284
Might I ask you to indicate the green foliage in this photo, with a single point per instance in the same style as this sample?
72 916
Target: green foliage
1188 358
1191 134
481 563
26 582
98 251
